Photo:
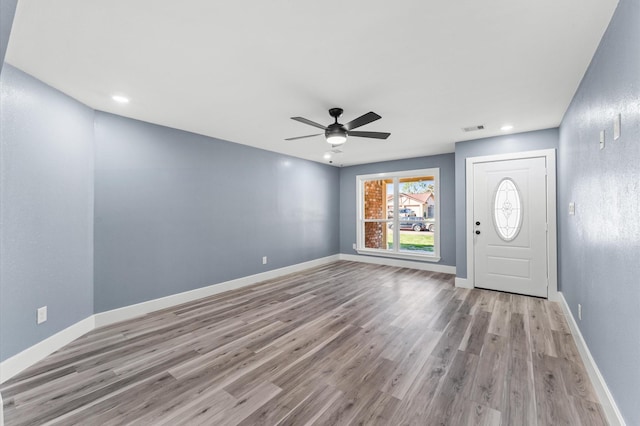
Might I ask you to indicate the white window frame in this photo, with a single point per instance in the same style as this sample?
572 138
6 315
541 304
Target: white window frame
396 253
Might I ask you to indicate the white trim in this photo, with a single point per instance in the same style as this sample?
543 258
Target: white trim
614 417
552 227
25 359
463 283
552 238
132 311
1 411
19 362
405 256
399 263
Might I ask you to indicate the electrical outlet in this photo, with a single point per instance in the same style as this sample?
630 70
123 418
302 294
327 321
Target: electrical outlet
355 247
264 260
572 209
580 311
41 315
601 139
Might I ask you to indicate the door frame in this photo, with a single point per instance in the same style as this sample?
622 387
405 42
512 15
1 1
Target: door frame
552 224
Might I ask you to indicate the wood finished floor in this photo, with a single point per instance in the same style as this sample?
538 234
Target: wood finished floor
345 343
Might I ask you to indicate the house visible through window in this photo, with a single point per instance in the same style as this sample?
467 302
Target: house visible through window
398 214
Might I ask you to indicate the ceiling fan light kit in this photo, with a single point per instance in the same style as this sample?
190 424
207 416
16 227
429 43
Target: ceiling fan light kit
336 133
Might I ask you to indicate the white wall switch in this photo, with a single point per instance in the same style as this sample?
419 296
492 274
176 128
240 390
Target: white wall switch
264 260
355 247
41 315
572 209
616 127
601 139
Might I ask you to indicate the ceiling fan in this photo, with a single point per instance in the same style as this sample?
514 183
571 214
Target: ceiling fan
336 133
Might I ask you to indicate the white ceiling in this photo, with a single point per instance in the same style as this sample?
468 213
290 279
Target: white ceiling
237 70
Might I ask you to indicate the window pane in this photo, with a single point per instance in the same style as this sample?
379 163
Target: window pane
419 242
375 198
417 202
377 235
417 197
507 210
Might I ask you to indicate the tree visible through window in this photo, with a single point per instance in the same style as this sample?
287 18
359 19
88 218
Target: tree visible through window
398 214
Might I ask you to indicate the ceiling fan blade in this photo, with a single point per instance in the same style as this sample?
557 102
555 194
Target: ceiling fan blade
302 137
362 120
309 122
376 135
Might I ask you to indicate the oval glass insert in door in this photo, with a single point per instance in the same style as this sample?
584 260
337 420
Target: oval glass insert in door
507 210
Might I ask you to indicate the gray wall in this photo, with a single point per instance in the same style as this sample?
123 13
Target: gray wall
600 246
176 211
7 11
348 203
529 141
46 210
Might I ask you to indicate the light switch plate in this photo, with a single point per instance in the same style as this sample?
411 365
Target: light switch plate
572 209
41 315
580 311
601 139
616 127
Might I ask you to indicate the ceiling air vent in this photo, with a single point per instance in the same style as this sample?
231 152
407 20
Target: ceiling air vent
473 128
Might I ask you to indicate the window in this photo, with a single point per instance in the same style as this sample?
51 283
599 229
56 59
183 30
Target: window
398 214
507 211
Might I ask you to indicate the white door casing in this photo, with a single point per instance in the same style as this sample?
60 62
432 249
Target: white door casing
521 260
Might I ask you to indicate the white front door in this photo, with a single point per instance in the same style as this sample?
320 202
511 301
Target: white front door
510 226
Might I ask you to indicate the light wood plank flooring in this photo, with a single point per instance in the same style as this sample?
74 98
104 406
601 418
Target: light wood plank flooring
345 343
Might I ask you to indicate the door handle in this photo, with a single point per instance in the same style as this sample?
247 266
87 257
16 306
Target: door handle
477 232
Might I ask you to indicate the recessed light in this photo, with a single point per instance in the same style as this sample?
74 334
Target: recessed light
506 127
120 99
327 155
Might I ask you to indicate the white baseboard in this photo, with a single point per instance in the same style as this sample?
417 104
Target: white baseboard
614 417
132 311
39 351
17 363
463 282
553 296
434 267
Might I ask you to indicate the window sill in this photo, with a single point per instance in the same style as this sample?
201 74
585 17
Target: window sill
405 256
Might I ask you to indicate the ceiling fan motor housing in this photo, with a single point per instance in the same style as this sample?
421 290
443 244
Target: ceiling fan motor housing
336 134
